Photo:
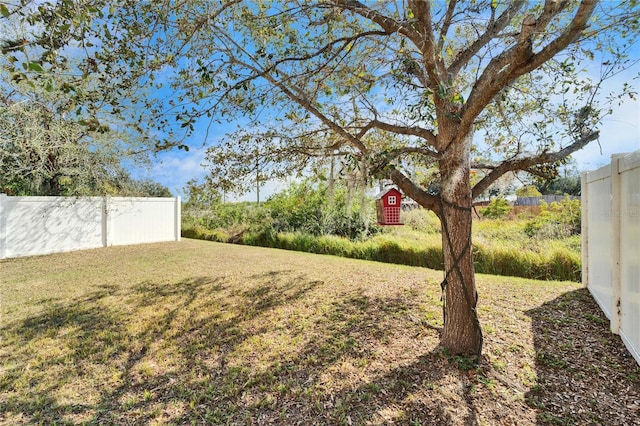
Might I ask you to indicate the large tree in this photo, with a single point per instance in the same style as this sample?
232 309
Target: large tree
490 85
55 136
47 150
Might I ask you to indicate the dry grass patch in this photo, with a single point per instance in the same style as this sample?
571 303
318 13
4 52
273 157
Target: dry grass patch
204 333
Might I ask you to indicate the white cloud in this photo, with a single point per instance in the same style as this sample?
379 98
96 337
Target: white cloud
175 168
619 132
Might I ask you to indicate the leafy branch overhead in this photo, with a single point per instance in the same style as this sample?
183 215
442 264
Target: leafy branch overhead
400 71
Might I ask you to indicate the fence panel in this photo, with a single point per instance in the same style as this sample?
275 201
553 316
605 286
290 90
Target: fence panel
611 244
629 216
535 201
43 225
598 215
142 220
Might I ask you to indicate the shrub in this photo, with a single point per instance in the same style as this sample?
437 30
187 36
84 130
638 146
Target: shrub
305 207
421 220
557 220
300 219
528 191
199 233
498 208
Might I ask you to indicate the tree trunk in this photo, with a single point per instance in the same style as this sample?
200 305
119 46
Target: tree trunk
462 333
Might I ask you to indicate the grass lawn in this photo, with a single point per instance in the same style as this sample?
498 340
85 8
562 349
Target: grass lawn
205 333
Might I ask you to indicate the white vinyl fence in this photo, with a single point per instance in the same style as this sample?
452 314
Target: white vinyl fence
42 225
611 244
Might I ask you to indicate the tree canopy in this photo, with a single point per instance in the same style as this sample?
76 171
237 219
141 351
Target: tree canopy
54 139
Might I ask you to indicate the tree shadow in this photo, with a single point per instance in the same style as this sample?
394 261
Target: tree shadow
283 348
319 384
114 352
585 375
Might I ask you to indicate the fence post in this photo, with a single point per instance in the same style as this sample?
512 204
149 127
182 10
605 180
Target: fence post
616 196
107 239
584 232
177 219
3 226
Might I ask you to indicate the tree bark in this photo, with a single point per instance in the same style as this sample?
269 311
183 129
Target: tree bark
462 333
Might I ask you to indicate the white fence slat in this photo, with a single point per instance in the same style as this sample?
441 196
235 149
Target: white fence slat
3 227
611 244
599 241
585 200
629 217
43 225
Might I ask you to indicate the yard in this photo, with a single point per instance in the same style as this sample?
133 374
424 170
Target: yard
197 332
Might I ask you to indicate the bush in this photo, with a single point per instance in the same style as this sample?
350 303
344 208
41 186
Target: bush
200 233
300 219
421 220
305 207
528 191
557 220
498 208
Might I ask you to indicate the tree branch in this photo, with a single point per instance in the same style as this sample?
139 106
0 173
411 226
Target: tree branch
306 104
524 164
390 25
432 60
416 193
492 31
520 59
446 24
422 38
573 31
403 130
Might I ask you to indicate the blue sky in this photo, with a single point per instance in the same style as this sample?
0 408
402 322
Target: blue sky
619 133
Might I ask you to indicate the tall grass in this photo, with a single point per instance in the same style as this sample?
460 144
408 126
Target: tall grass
555 263
500 246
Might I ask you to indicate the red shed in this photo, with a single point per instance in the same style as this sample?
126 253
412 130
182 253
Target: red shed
388 204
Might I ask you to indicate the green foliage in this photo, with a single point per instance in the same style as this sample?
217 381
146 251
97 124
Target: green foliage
302 208
554 263
501 247
551 261
528 191
306 207
47 147
569 185
313 64
200 196
381 248
556 220
200 233
226 220
421 220
498 208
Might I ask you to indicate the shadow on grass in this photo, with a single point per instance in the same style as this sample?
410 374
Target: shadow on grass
177 353
103 347
282 348
585 375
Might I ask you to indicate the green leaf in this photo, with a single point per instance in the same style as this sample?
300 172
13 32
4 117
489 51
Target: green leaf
34 66
4 11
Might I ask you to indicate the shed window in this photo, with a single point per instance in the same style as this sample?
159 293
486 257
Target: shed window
392 200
